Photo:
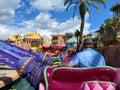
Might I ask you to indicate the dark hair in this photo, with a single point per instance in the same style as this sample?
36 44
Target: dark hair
88 46
87 41
71 51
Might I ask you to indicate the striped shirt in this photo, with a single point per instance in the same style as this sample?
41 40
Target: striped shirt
88 58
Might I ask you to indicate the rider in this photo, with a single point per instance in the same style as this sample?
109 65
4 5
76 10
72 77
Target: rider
88 57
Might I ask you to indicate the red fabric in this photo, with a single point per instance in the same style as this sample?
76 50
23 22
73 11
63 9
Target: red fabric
46 48
58 47
52 49
71 79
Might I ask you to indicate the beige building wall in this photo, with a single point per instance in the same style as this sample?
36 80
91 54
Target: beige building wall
46 42
58 40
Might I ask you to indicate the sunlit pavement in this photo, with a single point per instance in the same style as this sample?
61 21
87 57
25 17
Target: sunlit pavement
7 75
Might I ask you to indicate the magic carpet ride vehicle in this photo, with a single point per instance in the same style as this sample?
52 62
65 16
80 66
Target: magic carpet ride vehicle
43 77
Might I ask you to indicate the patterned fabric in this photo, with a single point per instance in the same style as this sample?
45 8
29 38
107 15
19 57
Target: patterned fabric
98 85
66 58
35 71
88 58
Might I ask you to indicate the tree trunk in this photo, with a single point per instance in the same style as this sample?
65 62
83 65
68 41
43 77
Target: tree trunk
81 33
82 11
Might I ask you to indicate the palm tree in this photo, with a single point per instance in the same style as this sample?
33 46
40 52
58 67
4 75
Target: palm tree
77 33
83 6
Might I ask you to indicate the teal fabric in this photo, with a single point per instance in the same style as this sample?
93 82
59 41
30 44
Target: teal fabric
20 84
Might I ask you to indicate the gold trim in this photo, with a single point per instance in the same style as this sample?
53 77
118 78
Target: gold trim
24 65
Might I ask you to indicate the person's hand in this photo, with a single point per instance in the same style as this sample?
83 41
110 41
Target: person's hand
54 66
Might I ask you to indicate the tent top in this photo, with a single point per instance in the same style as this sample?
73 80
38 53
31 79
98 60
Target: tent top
72 40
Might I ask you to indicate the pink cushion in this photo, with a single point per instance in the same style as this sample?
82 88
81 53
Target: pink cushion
98 85
41 86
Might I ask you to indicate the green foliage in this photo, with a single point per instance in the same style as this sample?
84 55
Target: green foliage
108 30
112 22
88 5
109 22
83 6
117 12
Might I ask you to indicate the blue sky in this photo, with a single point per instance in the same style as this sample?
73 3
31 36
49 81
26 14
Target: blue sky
47 17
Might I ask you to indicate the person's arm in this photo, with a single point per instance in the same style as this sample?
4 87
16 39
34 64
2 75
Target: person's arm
73 62
67 64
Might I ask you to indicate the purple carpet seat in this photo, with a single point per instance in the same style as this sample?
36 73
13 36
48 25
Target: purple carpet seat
11 54
64 78
16 57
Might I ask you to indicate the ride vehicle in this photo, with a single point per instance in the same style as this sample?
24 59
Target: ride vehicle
94 78
61 78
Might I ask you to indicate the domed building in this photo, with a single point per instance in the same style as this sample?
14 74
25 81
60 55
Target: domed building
34 40
31 41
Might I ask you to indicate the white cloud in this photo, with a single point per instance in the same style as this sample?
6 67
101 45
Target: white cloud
9 4
7 10
6 16
5 31
48 4
44 23
46 26
21 4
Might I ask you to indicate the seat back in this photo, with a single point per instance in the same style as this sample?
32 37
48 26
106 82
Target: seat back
64 78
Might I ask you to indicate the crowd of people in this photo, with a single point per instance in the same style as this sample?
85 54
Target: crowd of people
87 57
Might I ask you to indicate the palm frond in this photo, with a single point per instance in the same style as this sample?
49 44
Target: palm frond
82 1
88 2
87 9
67 1
103 2
75 9
96 7
71 3
68 6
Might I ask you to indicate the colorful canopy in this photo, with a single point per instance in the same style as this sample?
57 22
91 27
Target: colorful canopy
72 40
